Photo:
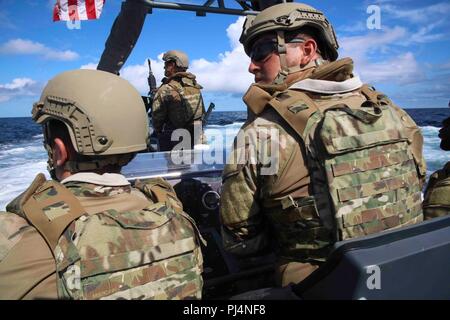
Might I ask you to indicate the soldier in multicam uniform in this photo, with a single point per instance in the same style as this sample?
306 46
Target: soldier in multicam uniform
178 103
89 233
436 201
348 162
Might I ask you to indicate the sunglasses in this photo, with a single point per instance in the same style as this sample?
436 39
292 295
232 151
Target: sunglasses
261 50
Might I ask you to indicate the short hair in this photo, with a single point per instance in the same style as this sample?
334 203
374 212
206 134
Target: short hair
57 129
305 32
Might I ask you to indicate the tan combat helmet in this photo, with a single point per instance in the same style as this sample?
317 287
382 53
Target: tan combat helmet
285 17
104 115
181 59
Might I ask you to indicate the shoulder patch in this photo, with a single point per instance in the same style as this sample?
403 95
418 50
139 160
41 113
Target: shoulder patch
297 107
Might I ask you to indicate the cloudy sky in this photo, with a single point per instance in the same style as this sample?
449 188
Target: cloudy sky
408 57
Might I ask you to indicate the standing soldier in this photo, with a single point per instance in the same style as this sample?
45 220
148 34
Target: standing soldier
436 202
348 162
88 233
178 103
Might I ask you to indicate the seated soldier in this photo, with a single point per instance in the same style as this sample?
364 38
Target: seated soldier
328 158
437 195
88 233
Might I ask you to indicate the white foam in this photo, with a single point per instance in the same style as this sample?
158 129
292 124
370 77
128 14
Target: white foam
17 178
426 129
237 125
434 156
21 150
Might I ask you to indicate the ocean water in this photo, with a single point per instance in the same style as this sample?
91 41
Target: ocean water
22 154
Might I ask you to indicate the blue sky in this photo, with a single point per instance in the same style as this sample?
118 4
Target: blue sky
408 58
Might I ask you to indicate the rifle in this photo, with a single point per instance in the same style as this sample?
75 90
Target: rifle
207 114
152 88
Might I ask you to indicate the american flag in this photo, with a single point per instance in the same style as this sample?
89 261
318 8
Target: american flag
69 10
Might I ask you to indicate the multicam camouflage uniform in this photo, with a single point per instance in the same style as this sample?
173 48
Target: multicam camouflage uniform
125 244
178 103
436 201
349 164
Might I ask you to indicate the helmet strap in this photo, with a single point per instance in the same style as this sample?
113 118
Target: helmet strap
285 70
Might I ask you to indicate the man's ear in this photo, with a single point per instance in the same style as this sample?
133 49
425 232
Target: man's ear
60 152
309 48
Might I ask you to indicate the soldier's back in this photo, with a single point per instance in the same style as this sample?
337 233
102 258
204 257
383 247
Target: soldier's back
125 244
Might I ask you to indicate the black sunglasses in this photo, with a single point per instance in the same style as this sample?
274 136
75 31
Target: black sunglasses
262 49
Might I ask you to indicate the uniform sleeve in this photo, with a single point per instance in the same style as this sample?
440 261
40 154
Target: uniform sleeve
244 229
27 266
268 167
159 110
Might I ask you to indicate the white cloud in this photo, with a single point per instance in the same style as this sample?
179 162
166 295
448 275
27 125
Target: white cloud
66 55
91 66
402 69
396 68
137 74
20 46
358 47
427 19
18 83
429 13
424 35
353 28
234 31
24 46
230 72
19 87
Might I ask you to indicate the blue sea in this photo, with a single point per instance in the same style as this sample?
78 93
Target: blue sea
22 154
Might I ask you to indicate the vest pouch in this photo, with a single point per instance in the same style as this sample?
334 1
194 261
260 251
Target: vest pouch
147 254
344 129
301 228
371 172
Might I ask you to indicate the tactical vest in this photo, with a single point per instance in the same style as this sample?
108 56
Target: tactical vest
364 177
152 253
436 201
192 108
